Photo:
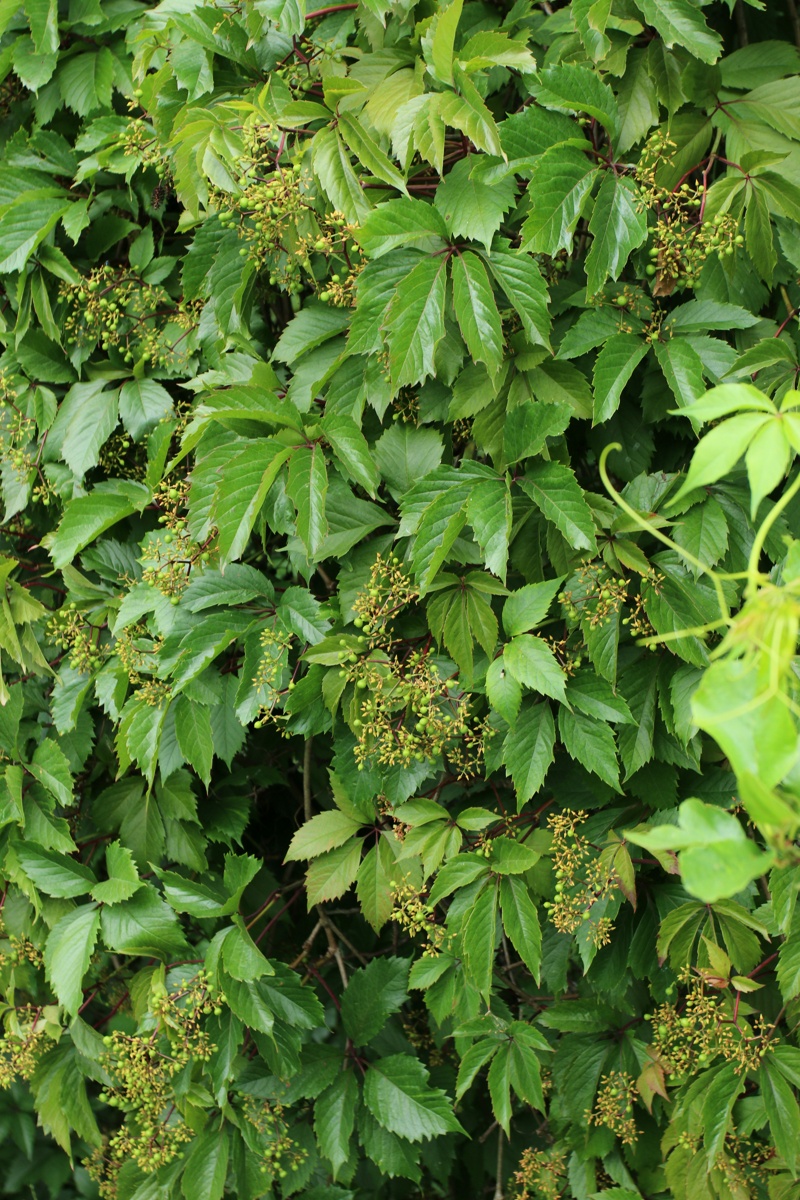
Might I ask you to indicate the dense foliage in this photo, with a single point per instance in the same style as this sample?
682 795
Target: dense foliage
400 600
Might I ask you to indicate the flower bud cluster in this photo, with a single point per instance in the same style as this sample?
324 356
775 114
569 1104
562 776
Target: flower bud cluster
682 240
275 644
690 1035
68 629
281 1156
613 1107
122 457
114 308
411 913
18 448
582 879
388 592
139 139
143 1067
137 652
21 1048
169 560
596 596
541 1175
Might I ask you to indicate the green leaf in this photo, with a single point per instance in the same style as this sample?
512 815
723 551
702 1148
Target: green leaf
703 531
532 663
489 513
719 450
330 875
505 694
560 186
306 486
402 222
782 1111
440 40
591 743
528 606
193 730
86 420
520 278
143 925
415 322
718 1104
680 23
50 767
206 1165
460 871
323 832
476 311
142 404
682 368
479 938
339 182
577 89
351 449
499 1082
528 426
618 225
716 857
68 952
404 454
521 922
373 994
86 80
123 877
758 234
23 226
528 749
334 1119
53 873
614 366
555 491
368 152
87 517
471 208
397 1093
245 480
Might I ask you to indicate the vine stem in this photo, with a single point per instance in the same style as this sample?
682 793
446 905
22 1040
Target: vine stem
307 779
753 574
498 1187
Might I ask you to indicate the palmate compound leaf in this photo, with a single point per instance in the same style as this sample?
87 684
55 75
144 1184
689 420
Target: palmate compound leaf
397 1093
458 444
